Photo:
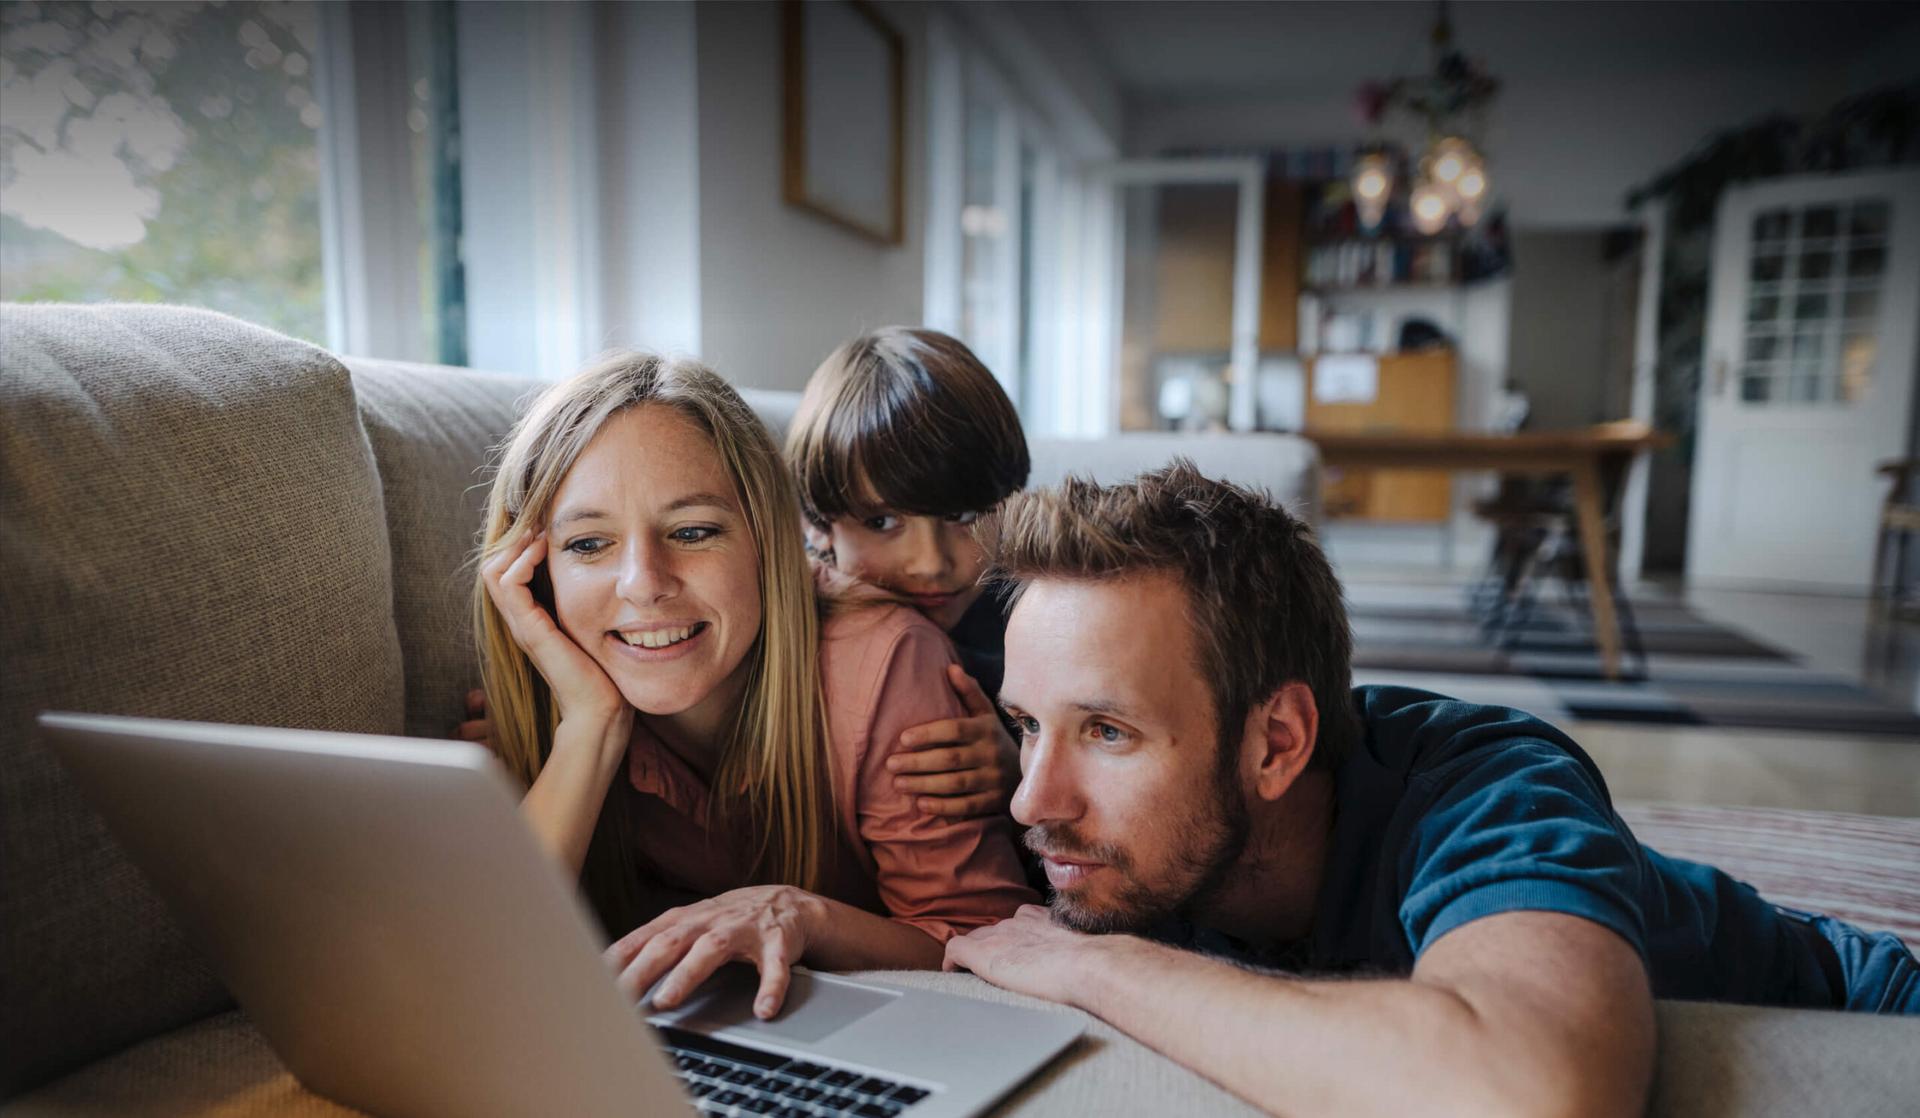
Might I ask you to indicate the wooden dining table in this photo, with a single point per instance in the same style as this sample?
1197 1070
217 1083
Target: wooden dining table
1594 459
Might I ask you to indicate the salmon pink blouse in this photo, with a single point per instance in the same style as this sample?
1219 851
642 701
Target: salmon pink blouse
884 670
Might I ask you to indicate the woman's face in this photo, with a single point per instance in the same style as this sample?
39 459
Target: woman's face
655 572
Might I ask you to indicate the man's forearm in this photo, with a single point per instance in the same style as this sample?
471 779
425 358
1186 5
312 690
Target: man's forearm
1293 1046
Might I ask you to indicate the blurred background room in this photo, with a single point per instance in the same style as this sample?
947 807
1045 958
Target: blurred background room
1602 315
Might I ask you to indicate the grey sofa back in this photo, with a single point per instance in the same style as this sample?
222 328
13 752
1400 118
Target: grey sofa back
202 519
432 428
190 527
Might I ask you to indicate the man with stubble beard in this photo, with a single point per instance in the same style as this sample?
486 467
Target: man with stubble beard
1328 899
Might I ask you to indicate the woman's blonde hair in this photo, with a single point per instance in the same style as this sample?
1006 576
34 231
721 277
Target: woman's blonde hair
772 776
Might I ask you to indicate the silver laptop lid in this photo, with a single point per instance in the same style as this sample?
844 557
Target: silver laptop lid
461 979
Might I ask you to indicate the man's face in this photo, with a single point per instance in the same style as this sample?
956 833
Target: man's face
1123 786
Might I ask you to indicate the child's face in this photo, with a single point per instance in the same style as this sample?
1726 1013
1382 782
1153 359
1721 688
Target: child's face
932 560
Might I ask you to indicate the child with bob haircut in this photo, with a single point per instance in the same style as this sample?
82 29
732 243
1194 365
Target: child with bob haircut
901 441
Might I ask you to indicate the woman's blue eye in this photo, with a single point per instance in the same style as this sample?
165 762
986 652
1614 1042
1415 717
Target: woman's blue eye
590 545
1029 727
692 534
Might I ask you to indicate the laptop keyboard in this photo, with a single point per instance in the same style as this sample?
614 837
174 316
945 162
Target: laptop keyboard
732 1080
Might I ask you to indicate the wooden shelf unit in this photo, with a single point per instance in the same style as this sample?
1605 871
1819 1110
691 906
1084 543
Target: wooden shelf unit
1417 393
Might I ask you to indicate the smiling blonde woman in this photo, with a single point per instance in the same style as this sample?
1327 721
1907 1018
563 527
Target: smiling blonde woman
690 718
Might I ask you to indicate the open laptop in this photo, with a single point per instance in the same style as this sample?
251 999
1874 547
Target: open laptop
380 910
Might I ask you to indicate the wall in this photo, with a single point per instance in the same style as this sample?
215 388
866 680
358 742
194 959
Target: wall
780 287
1559 349
1563 152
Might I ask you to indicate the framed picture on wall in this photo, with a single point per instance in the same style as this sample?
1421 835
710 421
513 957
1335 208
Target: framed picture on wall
845 118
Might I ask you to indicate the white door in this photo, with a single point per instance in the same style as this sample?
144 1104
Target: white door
1813 307
1175 286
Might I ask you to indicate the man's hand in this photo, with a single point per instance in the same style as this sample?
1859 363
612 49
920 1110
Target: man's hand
769 926
959 767
1030 954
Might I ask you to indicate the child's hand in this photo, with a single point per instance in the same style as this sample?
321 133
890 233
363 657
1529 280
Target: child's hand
478 727
959 767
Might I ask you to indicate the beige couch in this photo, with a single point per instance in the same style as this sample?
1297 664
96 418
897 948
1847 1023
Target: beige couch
202 519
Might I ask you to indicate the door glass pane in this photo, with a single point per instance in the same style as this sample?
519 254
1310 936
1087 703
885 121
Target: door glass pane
1813 303
1862 303
1772 225
1857 352
1865 262
1821 221
1869 220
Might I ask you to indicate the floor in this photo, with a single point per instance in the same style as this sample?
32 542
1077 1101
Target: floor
1869 774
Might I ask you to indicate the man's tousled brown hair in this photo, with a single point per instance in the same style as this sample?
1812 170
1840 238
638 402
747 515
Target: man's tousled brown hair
909 417
1266 607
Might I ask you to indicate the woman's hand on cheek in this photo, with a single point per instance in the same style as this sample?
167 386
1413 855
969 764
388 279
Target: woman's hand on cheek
959 767
579 685
766 925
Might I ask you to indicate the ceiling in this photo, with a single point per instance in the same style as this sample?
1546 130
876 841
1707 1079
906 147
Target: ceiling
1168 52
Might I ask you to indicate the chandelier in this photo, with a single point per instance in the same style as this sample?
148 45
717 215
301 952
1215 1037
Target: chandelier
1449 182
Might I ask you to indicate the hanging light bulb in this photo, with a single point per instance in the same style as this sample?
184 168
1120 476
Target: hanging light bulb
1372 186
1450 158
1472 185
1430 208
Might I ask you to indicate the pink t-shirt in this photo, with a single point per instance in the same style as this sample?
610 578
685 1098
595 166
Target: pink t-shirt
884 670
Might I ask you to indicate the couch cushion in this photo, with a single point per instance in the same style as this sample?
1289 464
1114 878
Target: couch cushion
190 527
432 428
1286 466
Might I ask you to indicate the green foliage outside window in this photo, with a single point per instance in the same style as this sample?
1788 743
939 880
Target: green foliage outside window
163 153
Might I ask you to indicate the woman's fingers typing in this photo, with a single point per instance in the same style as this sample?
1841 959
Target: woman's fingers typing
675 953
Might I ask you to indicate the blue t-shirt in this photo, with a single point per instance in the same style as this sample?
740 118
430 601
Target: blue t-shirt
1451 811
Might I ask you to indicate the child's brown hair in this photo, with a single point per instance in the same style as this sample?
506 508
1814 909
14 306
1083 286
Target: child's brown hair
907 420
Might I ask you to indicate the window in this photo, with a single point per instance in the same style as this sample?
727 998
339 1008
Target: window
163 152
1017 241
292 163
1812 302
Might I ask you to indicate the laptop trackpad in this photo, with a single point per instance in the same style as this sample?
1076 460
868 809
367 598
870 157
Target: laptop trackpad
813 1010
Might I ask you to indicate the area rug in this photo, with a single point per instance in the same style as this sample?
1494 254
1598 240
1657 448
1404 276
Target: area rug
1864 869
1687 670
